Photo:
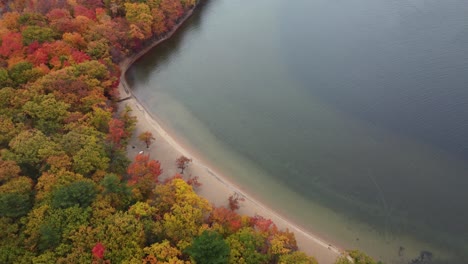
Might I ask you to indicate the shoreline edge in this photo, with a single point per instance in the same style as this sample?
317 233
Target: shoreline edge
167 149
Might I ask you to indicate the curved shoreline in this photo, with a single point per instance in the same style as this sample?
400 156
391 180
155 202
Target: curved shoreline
167 149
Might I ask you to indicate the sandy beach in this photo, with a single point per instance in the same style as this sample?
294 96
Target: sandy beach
215 186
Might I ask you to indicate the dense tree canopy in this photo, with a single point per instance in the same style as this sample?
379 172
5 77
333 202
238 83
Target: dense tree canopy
209 248
68 192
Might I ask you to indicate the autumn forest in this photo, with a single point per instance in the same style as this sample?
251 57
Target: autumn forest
68 192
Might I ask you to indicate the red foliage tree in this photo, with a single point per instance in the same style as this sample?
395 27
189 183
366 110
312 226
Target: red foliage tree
33 47
194 182
12 43
234 201
56 14
55 54
58 48
68 90
61 20
116 131
262 224
144 167
98 250
225 217
83 11
182 163
235 224
79 56
144 174
39 56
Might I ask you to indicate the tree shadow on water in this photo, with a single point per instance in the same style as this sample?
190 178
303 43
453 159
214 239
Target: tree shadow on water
164 52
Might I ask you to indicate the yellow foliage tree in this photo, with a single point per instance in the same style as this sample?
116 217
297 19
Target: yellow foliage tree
139 15
164 253
186 214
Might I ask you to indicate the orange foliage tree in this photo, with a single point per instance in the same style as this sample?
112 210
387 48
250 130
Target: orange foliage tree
144 174
116 131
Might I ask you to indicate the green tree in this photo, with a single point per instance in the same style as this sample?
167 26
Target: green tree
31 19
119 161
9 230
46 257
246 246
77 138
7 104
14 204
98 49
91 157
297 257
357 257
36 33
91 69
343 260
99 118
18 72
51 230
79 193
50 236
16 197
139 15
46 113
360 257
209 248
30 149
50 181
4 78
56 226
14 254
128 119
119 193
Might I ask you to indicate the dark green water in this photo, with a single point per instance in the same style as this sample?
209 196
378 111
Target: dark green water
350 117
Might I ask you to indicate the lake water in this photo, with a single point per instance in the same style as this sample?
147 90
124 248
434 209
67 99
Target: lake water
348 116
